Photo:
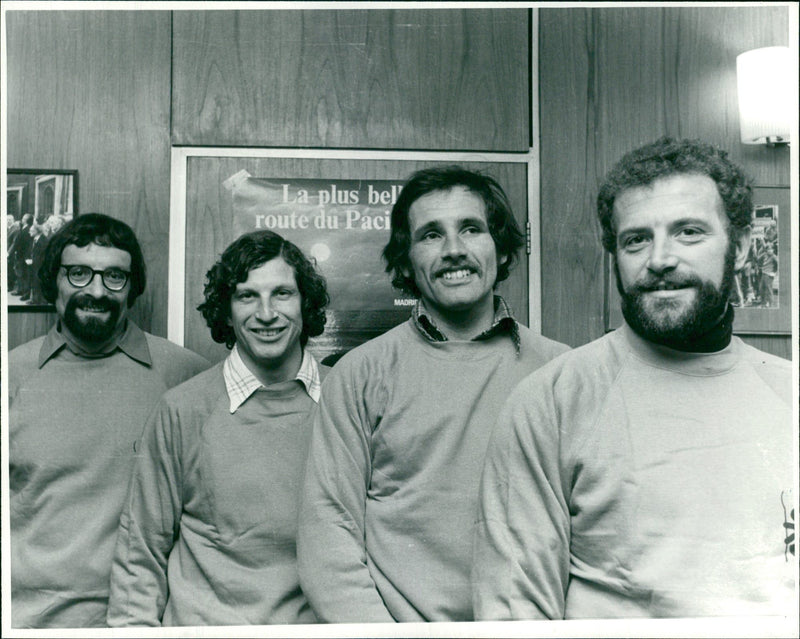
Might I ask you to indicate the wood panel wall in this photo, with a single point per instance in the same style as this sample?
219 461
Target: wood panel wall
90 90
612 79
393 79
106 93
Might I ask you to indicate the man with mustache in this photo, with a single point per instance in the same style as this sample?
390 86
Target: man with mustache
78 400
208 533
398 444
649 473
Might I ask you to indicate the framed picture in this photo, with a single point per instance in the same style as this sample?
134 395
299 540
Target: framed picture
761 291
335 206
38 203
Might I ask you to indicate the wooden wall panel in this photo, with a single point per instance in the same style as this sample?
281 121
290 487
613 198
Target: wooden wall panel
612 79
416 79
90 90
210 220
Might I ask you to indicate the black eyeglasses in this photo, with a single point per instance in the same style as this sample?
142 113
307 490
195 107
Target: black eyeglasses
79 275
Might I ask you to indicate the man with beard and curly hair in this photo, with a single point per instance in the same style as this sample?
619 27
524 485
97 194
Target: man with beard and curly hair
649 473
79 398
208 534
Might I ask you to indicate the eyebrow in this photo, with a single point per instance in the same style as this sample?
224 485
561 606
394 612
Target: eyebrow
684 221
435 225
242 287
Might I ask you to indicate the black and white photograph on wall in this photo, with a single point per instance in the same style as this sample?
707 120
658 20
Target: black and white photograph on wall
761 290
38 203
758 283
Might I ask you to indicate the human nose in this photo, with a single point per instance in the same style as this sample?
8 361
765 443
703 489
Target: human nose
95 286
453 245
662 255
265 312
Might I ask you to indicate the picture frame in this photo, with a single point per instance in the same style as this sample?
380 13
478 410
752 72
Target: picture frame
218 193
762 291
40 201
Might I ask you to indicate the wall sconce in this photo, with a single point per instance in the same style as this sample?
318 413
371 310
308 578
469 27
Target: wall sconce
764 80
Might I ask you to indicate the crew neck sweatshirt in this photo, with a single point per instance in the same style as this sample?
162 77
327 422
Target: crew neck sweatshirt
208 533
393 469
74 426
626 479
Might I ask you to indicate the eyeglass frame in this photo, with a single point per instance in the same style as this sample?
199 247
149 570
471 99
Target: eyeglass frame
96 272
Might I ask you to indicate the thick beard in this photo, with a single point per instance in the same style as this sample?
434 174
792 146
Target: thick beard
92 330
696 321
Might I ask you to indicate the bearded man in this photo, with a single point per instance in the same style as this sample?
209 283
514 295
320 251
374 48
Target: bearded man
649 473
78 401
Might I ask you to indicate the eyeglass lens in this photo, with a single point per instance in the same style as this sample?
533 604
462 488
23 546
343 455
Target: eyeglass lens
79 276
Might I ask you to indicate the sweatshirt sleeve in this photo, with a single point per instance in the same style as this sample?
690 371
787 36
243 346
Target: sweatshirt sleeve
148 527
331 551
521 546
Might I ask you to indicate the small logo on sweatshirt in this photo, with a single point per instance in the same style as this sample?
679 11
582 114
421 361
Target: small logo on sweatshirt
788 527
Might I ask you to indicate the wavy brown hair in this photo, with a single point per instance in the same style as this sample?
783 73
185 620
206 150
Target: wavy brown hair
251 251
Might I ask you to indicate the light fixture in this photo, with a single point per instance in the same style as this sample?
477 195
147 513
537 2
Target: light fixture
764 80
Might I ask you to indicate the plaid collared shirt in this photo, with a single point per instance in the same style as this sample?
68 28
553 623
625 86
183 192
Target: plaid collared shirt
503 323
241 383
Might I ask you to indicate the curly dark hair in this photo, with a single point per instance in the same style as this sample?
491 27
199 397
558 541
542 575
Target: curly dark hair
503 226
668 156
250 251
92 228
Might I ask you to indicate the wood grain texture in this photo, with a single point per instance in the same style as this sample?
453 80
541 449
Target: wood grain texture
612 79
90 90
210 215
415 79
775 344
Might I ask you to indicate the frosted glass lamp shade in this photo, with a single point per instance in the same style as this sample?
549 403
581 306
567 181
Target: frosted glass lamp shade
763 78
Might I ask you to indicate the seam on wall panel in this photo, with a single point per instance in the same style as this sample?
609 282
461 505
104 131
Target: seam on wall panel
534 186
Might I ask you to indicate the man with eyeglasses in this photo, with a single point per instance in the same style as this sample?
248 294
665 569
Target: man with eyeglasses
78 401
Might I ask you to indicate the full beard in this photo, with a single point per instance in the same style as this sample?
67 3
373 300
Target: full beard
92 330
662 321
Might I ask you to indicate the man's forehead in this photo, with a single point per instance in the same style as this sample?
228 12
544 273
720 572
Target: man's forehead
673 192
455 202
274 271
93 254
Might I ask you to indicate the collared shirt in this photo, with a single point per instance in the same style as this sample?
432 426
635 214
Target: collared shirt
503 323
132 342
241 383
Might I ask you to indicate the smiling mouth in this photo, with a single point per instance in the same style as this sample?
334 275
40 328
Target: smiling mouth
267 332
455 276
93 309
666 286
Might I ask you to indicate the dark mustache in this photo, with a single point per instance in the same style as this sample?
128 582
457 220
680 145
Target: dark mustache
98 303
651 283
455 267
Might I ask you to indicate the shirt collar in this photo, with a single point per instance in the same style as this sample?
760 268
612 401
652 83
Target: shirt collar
132 342
241 383
503 323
